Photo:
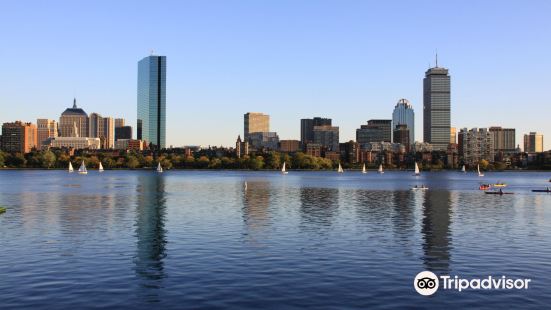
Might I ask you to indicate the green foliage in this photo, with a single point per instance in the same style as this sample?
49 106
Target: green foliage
49 159
132 162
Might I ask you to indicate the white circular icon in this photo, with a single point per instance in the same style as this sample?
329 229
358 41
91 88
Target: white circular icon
426 283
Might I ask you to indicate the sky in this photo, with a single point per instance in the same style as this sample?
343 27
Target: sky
347 60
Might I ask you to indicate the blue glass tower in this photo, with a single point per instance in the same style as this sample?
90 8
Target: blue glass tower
151 125
403 115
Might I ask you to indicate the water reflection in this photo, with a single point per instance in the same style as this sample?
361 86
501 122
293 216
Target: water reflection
150 233
318 207
403 216
436 231
256 201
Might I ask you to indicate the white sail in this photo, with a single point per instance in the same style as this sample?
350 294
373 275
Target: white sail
71 167
82 169
283 170
100 167
381 168
159 168
363 169
480 174
416 169
340 169
463 169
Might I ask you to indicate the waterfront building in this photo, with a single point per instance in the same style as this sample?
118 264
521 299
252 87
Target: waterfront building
73 122
402 135
46 128
350 152
123 132
437 107
129 144
403 115
422 147
263 140
475 144
241 147
504 140
19 137
313 149
307 128
289 146
453 135
103 128
533 142
77 143
151 122
119 122
255 122
376 130
327 136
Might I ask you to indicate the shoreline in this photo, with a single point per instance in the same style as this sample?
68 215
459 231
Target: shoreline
275 170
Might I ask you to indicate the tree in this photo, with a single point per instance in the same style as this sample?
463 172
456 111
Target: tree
273 160
16 160
203 162
2 159
483 164
256 163
132 162
48 159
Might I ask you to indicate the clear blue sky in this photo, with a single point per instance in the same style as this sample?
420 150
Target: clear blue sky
347 60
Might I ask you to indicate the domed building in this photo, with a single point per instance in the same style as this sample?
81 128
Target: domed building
73 122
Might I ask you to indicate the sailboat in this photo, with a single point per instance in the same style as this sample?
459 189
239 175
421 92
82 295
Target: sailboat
417 173
363 169
480 174
381 169
283 170
71 167
340 169
100 167
82 169
463 169
159 168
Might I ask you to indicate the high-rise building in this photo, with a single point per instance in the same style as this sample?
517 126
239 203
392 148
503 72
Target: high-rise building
260 140
289 146
376 130
151 124
46 128
103 128
402 135
19 137
119 122
476 144
504 140
533 143
436 107
123 133
327 136
73 122
255 122
453 135
307 128
403 115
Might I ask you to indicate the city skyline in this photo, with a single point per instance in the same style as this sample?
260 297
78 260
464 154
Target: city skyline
214 87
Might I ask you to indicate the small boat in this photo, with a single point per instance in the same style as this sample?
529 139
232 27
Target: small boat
547 190
463 169
340 169
71 167
422 187
100 169
480 174
500 184
381 169
82 169
283 170
159 168
363 169
417 173
500 192
484 187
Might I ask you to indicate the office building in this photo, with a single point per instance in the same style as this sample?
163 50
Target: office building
504 140
436 107
129 144
102 128
77 143
124 132
119 122
46 128
533 143
19 137
453 135
255 122
403 115
151 123
402 135
475 144
376 130
307 128
263 140
289 146
327 136
73 122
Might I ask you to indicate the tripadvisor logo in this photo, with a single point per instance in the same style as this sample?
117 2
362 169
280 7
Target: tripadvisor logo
426 283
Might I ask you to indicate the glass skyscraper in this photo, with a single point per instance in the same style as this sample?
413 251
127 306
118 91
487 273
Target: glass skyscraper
403 115
151 125
436 108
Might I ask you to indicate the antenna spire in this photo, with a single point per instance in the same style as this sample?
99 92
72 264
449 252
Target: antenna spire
436 58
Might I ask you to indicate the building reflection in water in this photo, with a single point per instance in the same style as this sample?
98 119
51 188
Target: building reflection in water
403 216
435 229
318 207
150 233
256 201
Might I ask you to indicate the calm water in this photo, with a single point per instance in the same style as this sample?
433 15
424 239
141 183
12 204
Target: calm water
259 239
